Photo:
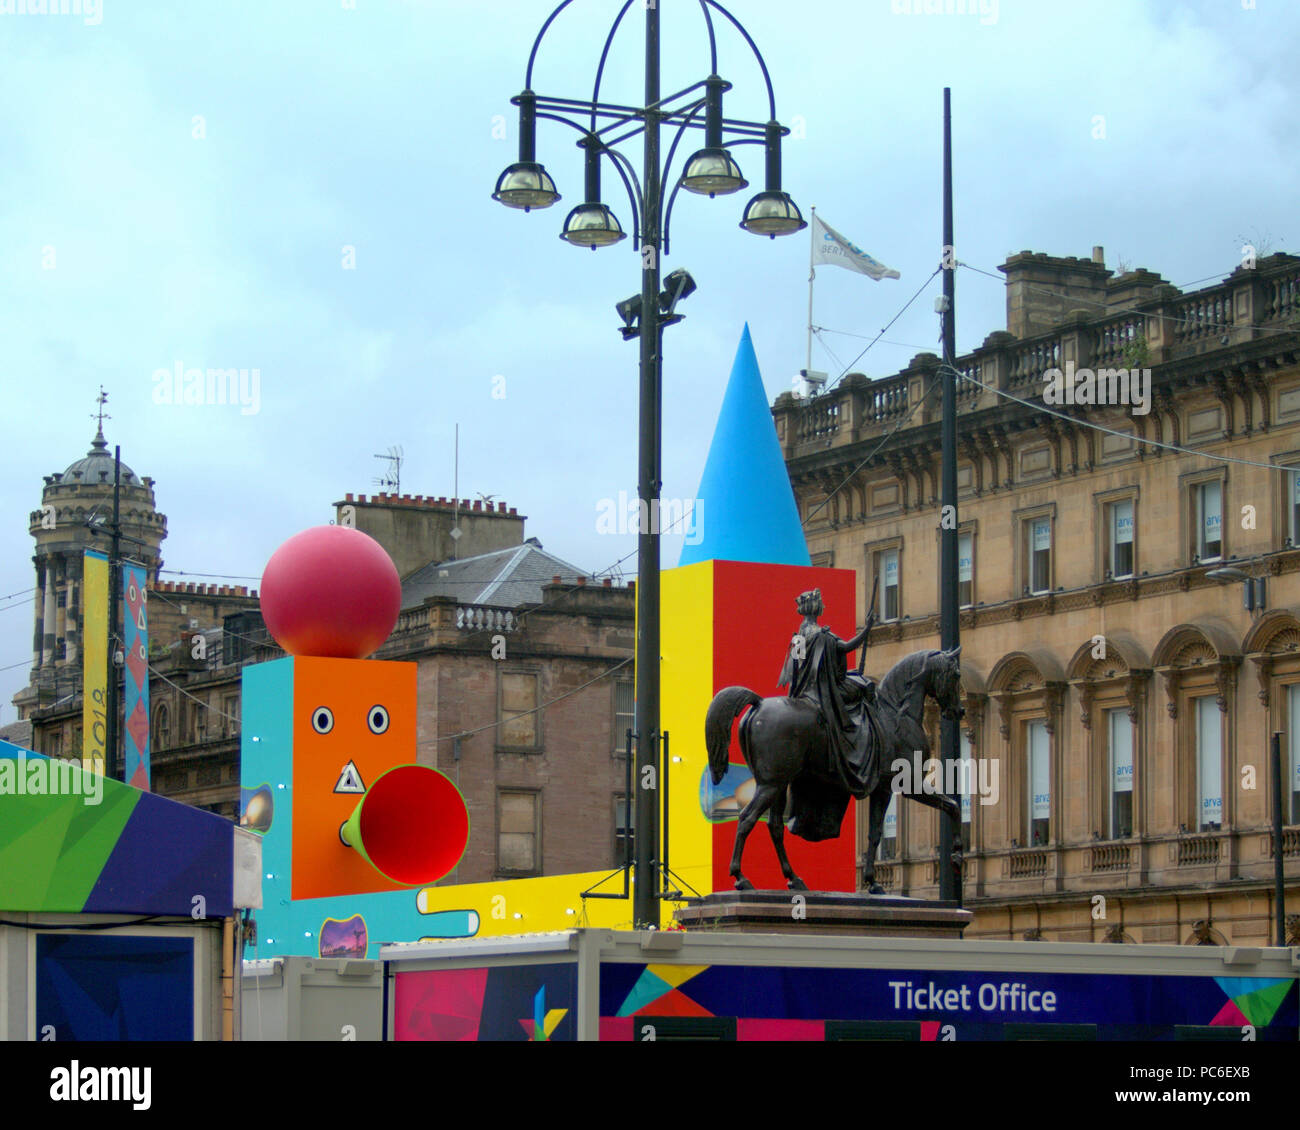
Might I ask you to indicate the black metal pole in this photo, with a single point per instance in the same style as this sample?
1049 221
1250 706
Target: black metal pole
949 742
645 901
1279 879
114 610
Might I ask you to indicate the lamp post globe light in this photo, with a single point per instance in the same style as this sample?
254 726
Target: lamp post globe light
710 171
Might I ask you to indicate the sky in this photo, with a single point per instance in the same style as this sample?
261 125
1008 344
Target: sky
302 190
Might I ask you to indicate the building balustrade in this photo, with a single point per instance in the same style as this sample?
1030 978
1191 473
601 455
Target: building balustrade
1166 327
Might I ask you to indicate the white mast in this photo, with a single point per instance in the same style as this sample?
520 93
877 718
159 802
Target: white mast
812 274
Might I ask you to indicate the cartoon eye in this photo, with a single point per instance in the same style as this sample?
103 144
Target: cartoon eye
377 719
322 720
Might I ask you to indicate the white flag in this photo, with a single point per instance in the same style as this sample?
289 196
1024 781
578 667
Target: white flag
831 247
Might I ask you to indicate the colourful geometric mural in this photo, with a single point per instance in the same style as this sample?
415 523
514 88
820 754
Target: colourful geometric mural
73 841
782 1002
523 1002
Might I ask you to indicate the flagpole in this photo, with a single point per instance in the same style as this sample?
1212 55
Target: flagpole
812 274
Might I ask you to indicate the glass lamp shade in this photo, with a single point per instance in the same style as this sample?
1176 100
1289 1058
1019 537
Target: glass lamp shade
526 185
712 172
772 213
592 225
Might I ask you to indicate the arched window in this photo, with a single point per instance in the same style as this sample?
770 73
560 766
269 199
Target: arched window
162 727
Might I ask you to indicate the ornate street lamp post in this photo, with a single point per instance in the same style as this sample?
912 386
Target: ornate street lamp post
711 171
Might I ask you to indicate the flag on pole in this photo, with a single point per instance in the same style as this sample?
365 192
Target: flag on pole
831 247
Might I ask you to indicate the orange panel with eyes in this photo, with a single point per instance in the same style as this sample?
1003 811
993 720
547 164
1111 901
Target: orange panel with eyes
358 710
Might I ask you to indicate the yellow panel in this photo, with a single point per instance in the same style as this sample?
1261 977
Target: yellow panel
528 906
686 644
94 659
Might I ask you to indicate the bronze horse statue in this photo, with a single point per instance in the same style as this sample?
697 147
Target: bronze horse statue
787 746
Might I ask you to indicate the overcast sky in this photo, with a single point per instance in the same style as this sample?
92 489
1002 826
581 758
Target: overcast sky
181 181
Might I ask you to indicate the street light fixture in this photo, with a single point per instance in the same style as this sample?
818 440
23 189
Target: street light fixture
526 184
592 224
710 171
772 212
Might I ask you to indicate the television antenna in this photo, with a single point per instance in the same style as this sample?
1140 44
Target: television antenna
391 480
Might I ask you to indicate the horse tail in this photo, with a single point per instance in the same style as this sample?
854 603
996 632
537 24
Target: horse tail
724 708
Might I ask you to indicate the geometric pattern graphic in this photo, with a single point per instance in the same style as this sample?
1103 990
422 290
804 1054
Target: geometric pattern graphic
781 1002
515 1003
135 624
130 853
114 987
658 986
1251 1000
542 1023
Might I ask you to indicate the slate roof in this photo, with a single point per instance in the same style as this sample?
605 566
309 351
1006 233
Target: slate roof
505 578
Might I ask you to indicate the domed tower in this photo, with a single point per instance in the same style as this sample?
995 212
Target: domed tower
71 503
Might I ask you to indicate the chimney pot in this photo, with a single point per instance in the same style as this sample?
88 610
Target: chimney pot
1099 255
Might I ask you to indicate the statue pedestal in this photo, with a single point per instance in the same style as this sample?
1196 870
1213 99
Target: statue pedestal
824 912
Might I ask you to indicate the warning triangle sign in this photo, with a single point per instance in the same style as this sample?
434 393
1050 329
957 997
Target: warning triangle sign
350 780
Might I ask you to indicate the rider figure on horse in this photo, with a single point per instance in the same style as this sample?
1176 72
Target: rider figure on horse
817 660
816 670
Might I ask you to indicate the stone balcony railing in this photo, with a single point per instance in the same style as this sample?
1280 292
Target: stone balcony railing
1249 304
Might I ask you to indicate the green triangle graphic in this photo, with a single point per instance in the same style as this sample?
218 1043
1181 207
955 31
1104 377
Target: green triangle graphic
1260 1006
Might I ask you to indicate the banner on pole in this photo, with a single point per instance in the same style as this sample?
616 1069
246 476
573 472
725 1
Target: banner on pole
136 700
831 247
94 661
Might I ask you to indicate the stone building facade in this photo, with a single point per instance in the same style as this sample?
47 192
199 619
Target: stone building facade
1114 680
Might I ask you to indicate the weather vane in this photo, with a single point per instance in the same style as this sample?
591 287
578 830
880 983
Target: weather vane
101 416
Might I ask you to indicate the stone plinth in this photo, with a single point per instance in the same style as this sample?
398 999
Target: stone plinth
823 912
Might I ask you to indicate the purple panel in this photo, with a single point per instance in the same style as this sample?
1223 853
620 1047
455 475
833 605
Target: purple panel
166 855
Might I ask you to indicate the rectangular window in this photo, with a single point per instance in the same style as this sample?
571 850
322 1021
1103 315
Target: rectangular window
624 714
966 781
889 837
231 710
517 833
624 831
1209 765
889 601
1293 506
1293 740
1121 538
518 729
1209 521
1040 555
1120 733
965 570
1040 784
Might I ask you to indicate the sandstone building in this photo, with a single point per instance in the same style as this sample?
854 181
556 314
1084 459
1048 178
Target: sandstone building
1125 693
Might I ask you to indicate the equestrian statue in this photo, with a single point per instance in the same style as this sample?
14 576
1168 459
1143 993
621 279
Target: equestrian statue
832 738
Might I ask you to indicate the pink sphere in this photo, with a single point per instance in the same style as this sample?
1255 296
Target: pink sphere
331 591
